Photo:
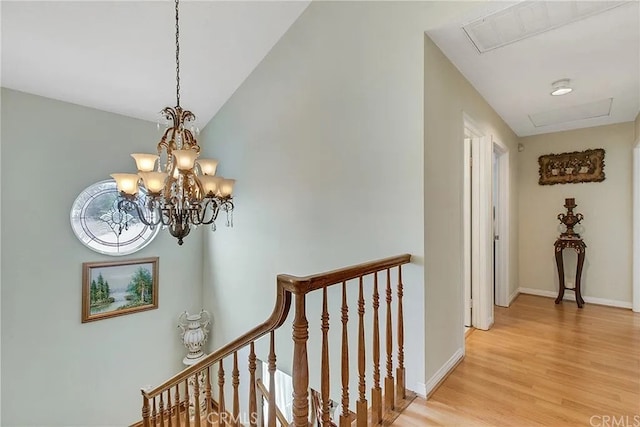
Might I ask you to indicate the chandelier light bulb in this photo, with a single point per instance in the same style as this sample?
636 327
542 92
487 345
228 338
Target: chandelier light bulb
127 183
145 162
185 159
208 166
153 181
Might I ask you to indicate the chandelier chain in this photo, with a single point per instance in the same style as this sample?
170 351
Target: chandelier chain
177 55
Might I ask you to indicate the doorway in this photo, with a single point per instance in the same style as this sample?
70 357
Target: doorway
501 200
485 226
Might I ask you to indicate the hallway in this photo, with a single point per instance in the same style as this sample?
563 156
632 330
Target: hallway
542 364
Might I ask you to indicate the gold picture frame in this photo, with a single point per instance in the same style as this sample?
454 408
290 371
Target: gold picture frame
570 168
116 288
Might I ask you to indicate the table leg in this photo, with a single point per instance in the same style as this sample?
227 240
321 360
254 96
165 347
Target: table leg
579 299
560 265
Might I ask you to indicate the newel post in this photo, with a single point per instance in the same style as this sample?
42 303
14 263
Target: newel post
300 364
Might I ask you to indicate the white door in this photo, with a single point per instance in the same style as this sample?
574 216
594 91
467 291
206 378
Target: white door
478 226
501 233
475 253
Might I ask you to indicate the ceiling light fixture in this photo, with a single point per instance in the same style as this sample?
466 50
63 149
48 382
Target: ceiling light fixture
182 192
561 87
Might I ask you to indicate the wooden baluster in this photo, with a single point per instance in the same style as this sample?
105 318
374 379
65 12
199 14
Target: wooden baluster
345 417
207 398
168 408
376 391
400 378
235 381
253 402
361 406
161 410
388 381
145 412
222 416
177 405
272 381
324 386
300 364
187 411
154 414
196 399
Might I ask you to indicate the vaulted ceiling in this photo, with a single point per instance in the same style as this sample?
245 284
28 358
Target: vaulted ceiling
119 57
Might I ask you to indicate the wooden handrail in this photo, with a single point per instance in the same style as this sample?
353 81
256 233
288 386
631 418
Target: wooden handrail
304 285
277 318
265 394
288 286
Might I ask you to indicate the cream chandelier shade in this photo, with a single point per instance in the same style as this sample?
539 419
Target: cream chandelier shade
182 191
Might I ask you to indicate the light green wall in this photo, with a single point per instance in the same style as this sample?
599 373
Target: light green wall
55 370
447 96
326 140
637 127
606 206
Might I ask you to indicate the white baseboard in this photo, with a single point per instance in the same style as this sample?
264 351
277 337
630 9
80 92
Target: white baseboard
420 389
443 371
513 296
570 296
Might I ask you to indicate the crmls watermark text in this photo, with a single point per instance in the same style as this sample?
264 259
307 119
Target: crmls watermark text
614 421
226 418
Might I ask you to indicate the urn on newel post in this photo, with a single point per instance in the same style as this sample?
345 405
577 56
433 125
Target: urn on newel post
194 334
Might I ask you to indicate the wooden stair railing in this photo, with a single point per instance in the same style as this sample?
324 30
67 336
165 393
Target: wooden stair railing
154 399
266 395
395 394
169 403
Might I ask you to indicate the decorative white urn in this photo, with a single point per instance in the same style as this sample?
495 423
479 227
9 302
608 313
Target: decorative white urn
194 334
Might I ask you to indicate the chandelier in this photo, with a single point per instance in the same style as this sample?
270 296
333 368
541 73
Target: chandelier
180 190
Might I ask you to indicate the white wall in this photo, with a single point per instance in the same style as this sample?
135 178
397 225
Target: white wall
606 207
55 370
447 95
326 140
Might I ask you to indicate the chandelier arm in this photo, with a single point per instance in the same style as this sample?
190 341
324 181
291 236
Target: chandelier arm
166 212
194 215
199 193
170 114
211 205
128 205
227 205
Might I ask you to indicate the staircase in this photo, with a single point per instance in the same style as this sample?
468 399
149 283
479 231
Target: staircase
190 399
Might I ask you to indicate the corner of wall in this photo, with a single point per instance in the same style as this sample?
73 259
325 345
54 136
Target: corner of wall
442 373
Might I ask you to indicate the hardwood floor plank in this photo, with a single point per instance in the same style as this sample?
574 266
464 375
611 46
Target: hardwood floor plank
541 364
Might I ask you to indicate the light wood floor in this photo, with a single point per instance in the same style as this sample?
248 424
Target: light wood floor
542 365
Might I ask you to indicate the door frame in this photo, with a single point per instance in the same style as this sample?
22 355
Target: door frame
502 297
481 250
636 228
466 227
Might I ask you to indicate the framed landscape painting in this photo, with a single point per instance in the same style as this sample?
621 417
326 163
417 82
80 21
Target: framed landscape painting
115 288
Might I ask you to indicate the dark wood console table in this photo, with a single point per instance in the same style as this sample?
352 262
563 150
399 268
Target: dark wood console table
566 242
